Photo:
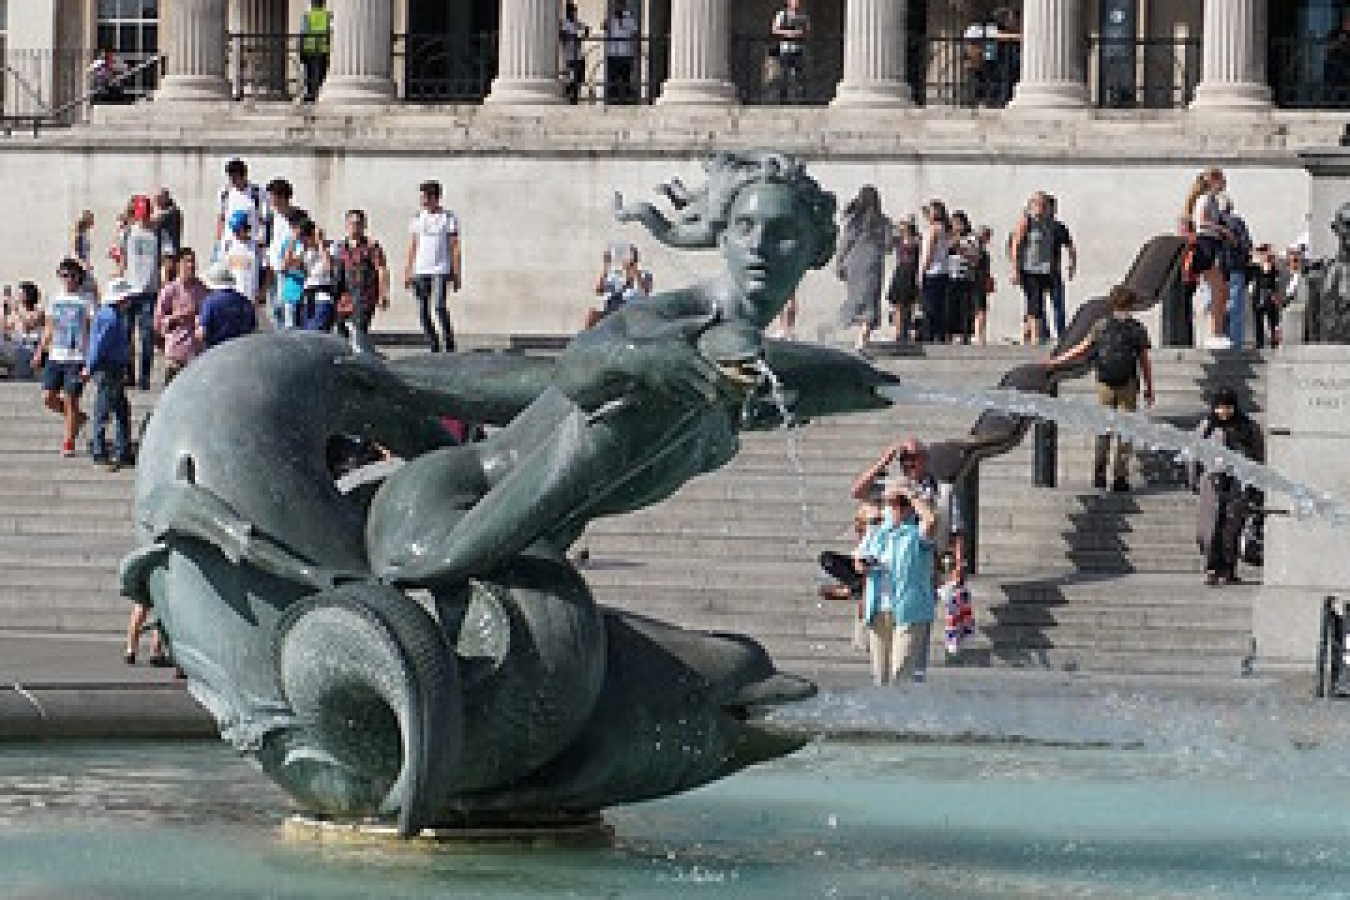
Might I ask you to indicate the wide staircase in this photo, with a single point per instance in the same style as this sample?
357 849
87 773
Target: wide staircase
1070 578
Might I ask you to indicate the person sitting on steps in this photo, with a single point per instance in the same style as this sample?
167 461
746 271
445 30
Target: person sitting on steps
1119 345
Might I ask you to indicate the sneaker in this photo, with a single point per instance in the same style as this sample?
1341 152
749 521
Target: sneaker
1121 486
67 448
99 458
114 464
1218 342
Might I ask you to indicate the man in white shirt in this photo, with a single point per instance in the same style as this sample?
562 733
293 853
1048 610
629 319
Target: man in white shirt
63 344
434 263
240 195
279 239
142 246
621 50
791 28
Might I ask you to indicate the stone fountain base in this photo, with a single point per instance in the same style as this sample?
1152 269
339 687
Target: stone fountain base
545 833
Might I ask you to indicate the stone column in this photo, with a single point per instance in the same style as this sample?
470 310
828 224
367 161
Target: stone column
360 69
527 54
194 47
700 69
1233 74
874 54
259 55
1053 56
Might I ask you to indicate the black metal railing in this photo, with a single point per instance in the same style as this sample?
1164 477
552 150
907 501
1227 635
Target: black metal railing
1310 72
628 78
446 68
1144 73
265 66
54 88
764 75
958 71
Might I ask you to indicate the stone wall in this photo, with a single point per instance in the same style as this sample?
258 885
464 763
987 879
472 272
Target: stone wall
535 192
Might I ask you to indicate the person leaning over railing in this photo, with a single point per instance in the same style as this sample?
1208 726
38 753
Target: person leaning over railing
571 33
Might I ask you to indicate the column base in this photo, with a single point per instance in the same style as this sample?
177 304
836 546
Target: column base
192 89
702 92
349 91
1232 96
893 94
1057 95
524 92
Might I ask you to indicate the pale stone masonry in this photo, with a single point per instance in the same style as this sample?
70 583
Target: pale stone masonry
874 61
361 65
699 67
1053 72
1234 59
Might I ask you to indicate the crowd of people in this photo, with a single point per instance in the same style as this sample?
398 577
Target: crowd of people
270 265
943 276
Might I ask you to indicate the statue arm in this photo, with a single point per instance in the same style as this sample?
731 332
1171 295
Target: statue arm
822 381
488 388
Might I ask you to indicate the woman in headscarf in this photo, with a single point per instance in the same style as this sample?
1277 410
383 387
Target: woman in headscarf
1224 502
861 262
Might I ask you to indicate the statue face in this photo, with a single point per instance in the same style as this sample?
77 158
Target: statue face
768 247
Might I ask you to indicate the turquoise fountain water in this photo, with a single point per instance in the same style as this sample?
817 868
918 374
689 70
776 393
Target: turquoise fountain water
937 794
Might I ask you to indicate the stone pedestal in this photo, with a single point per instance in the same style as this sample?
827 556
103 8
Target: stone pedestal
699 47
874 55
527 65
1233 76
194 46
1053 57
1308 397
362 62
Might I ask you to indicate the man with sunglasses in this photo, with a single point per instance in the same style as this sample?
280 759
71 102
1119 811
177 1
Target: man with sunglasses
949 533
63 345
896 557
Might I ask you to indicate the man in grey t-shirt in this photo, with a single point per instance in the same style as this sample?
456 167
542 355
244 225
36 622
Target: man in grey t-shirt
142 245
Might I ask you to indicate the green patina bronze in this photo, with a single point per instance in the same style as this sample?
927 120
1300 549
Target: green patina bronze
420 647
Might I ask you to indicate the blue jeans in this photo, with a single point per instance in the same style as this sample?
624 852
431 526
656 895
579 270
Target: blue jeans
111 400
430 290
140 310
1056 307
1237 307
935 307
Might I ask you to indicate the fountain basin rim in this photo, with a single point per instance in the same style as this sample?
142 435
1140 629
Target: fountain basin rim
548 832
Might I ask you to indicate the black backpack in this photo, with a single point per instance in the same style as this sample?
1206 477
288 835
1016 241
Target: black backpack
1117 353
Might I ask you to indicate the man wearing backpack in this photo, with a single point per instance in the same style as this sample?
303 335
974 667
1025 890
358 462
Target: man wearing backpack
1118 345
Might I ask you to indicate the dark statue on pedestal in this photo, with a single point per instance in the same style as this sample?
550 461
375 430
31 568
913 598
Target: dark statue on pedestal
419 647
1326 291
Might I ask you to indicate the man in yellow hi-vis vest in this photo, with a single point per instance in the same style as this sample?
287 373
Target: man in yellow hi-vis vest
314 47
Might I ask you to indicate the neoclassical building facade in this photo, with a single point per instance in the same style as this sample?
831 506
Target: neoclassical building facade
1112 105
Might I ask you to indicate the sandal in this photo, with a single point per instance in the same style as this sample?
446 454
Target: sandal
160 660
1212 578
129 657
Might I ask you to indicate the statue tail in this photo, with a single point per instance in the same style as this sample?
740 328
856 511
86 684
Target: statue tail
373 684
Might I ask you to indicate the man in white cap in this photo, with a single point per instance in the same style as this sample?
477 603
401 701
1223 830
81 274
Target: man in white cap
107 360
896 557
225 313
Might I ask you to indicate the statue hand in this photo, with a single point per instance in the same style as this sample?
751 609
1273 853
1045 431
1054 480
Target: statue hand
667 371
